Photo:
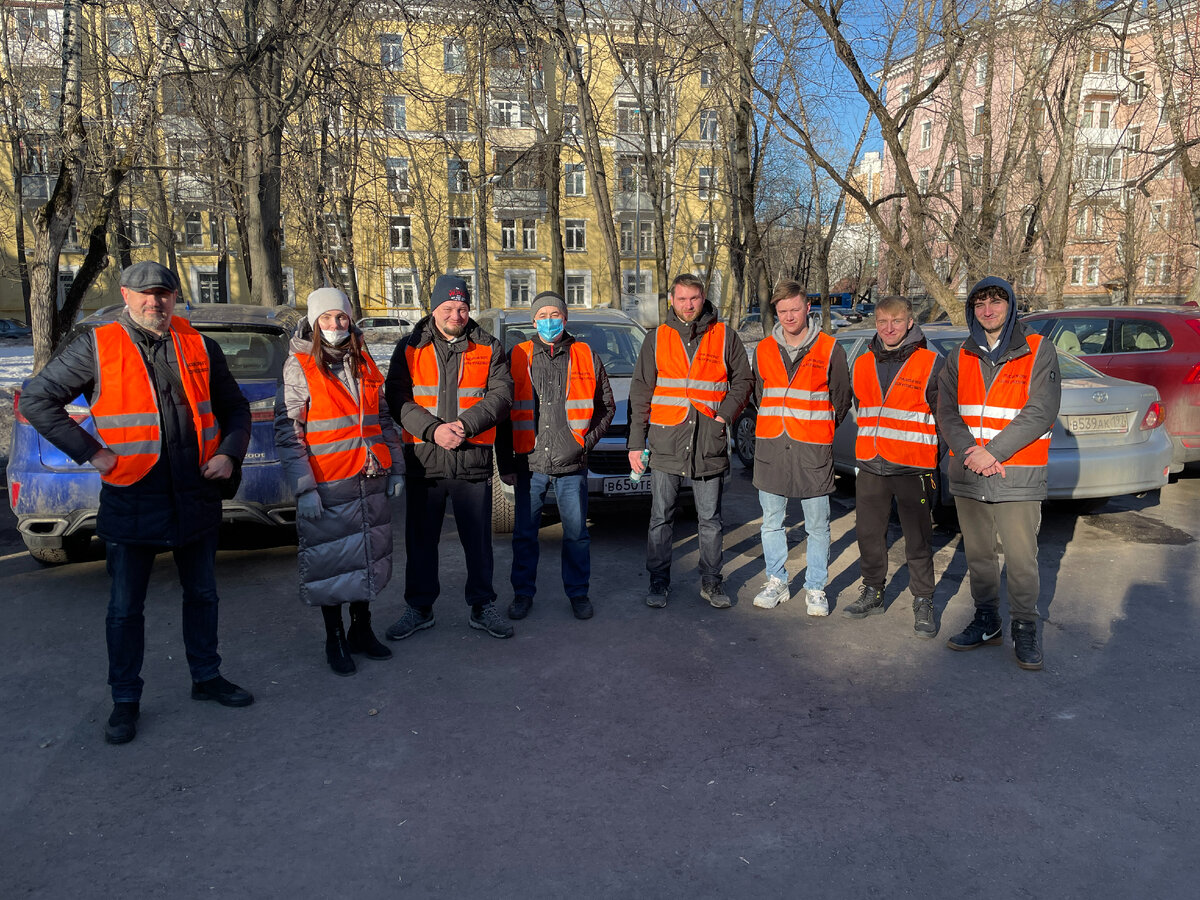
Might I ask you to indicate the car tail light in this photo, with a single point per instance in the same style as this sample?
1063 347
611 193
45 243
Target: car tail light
14 493
262 410
1193 377
17 408
1154 416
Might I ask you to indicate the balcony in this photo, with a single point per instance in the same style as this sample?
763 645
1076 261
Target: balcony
629 201
513 203
1095 138
1102 83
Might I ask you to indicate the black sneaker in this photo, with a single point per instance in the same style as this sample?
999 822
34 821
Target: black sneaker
520 606
985 628
923 623
122 724
713 591
1025 645
869 602
224 692
582 607
489 620
411 622
657 597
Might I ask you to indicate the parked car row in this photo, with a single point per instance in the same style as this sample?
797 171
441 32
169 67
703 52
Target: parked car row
11 328
1109 439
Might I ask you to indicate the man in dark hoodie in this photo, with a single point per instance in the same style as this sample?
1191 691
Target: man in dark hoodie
896 451
449 386
998 397
692 379
562 405
803 391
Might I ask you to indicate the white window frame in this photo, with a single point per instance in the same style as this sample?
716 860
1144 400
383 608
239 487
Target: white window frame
399 232
454 56
511 278
926 135
460 228
394 304
397 174
391 52
575 235
575 179
579 294
395 112
709 125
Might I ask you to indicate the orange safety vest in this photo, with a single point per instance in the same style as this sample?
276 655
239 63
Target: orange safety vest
126 406
802 406
579 398
987 412
898 427
473 368
339 429
703 383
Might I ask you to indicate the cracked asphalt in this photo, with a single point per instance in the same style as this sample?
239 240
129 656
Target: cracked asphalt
683 752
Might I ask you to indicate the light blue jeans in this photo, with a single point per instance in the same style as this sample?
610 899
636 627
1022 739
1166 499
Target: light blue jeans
774 538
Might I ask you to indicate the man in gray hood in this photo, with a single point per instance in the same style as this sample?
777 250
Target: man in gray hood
998 397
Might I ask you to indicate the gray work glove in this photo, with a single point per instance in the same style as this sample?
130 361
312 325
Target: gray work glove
308 505
395 485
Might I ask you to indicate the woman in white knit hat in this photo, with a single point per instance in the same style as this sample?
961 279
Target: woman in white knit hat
343 456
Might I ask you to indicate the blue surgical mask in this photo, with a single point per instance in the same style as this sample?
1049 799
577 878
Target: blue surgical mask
550 330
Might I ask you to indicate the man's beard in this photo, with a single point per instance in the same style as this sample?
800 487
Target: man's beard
453 330
152 321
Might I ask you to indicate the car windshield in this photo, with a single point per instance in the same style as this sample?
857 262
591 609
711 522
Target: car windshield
615 343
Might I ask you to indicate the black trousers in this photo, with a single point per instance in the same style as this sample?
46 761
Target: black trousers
873 508
425 508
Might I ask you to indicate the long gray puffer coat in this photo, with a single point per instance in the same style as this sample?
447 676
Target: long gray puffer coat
346 553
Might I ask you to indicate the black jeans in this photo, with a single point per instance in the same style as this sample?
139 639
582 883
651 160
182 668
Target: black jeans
129 565
664 504
873 508
425 510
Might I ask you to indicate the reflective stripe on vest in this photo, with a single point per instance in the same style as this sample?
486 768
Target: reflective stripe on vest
473 368
578 398
988 412
339 429
801 407
126 406
702 383
899 427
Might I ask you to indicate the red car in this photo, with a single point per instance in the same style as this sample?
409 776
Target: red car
1156 345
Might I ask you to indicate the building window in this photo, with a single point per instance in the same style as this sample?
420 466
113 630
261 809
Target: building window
575 178
208 287
1162 217
509 112
395 113
631 174
460 233
704 238
456 116
1137 86
137 228
120 37
980 123
708 124
981 70
193 230
508 234
571 122
402 288
976 171
32 23
400 232
926 135
629 117
458 179
637 283
1103 62
923 181
708 70
575 234
397 174
124 95
948 179
707 181
1133 137
520 287
391 51
529 235
576 289
1093 270
454 56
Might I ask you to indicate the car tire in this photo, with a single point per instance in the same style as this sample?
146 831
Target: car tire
75 548
504 511
743 436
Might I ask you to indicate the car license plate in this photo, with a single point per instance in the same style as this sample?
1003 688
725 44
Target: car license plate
1114 423
625 485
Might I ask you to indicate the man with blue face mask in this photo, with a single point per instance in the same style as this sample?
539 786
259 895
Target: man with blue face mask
562 405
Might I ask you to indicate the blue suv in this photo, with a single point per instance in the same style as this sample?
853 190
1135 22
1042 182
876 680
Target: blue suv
55 500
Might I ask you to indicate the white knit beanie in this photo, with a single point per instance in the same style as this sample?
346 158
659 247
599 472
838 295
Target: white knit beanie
325 299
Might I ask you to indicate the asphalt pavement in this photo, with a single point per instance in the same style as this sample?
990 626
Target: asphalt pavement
682 752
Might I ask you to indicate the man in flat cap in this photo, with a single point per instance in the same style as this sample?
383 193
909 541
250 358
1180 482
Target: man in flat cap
172 426
562 405
449 387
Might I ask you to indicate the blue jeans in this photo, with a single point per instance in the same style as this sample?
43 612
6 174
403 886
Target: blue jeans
660 540
129 566
572 496
774 538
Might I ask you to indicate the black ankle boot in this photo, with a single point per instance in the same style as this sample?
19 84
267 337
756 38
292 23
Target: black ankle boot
360 638
337 650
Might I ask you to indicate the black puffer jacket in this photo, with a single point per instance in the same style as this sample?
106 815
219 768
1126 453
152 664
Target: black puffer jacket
698 447
173 503
555 450
470 462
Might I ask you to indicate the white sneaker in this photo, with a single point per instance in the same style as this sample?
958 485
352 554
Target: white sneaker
774 592
818 605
